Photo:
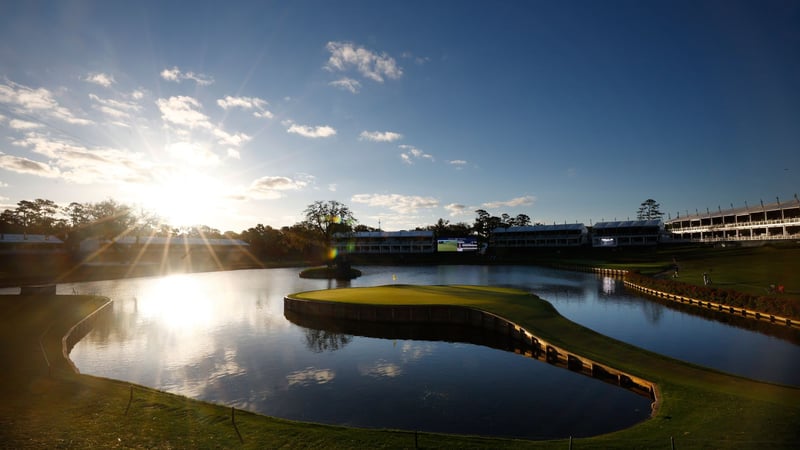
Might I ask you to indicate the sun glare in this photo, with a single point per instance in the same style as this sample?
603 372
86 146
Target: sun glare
178 303
185 199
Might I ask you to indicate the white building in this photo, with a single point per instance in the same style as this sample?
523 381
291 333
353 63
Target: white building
384 242
773 221
29 244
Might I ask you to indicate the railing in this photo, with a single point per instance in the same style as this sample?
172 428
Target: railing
794 221
531 346
743 312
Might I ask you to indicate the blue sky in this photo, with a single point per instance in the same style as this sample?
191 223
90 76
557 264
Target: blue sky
233 113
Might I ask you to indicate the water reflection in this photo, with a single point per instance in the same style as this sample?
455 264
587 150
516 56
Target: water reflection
223 337
309 376
325 341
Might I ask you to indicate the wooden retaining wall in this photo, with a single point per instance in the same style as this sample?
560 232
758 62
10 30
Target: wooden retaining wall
535 347
742 312
81 329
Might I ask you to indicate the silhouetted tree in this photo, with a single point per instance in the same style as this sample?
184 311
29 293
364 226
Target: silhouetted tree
326 218
649 210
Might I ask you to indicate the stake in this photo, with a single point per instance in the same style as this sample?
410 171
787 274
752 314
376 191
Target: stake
130 399
233 419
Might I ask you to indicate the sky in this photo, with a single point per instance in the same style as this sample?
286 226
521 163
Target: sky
230 114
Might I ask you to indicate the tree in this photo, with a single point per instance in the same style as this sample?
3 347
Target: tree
485 223
443 228
649 210
327 218
522 220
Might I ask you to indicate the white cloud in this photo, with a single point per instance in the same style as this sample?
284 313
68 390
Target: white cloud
263 114
380 136
37 102
455 209
101 79
270 187
345 55
185 111
519 201
242 102
137 95
457 162
28 166
236 139
312 132
115 108
83 165
259 105
412 153
23 124
347 84
233 153
193 153
332 187
404 204
182 110
175 74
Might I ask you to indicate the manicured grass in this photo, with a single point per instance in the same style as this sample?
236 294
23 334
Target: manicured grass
57 408
745 269
699 407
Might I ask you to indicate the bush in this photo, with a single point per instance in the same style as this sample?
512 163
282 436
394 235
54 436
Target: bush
764 304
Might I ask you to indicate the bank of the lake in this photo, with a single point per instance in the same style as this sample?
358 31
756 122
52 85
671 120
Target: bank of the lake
47 405
699 406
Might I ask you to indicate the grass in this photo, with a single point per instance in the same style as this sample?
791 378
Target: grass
746 269
58 408
699 407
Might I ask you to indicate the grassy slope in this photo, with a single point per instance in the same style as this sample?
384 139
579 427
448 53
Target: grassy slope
744 269
60 409
699 406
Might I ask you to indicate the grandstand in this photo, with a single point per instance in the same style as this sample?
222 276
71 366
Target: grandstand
567 235
764 222
384 242
628 233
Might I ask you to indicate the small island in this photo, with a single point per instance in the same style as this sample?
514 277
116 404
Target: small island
338 269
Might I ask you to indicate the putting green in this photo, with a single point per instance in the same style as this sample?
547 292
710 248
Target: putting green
699 406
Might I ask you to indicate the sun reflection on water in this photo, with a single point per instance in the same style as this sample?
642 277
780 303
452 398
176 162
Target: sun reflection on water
177 302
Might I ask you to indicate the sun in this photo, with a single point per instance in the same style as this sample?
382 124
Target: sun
186 198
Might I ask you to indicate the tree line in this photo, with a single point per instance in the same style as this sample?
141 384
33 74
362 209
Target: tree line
307 239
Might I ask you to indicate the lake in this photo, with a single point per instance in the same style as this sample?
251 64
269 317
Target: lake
223 337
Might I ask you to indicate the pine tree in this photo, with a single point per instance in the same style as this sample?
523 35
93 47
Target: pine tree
649 210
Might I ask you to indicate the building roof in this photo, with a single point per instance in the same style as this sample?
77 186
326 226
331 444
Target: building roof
384 234
774 206
180 240
628 224
535 228
6 238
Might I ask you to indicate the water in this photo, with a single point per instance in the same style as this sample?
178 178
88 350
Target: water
223 337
